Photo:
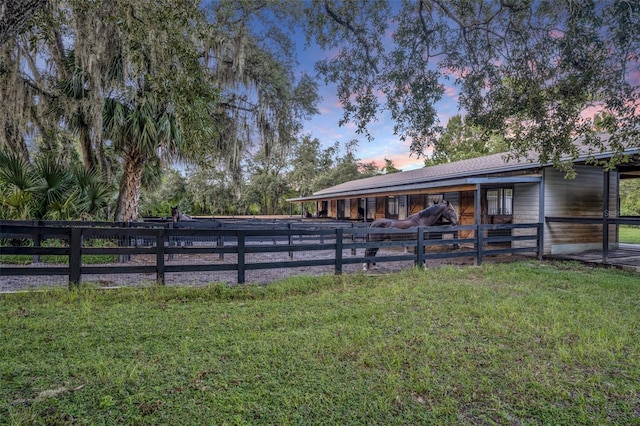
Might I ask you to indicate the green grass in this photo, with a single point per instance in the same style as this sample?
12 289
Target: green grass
499 344
629 234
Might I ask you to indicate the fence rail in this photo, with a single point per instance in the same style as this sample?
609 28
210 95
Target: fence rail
160 243
605 220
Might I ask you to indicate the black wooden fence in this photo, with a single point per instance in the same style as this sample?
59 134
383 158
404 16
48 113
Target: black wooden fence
159 243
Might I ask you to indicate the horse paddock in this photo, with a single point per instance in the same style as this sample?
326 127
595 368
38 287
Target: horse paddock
252 276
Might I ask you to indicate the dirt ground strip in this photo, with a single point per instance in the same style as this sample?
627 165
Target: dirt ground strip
259 276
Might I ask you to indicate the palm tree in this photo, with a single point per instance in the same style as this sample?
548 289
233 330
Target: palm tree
139 130
49 189
18 185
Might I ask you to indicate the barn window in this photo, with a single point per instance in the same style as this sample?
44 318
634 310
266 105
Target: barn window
371 208
403 206
431 199
392 206
397 206
343 208
500 201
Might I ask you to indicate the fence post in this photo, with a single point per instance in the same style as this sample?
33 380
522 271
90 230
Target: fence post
241 247
540 240
37 240
339 235
124 242
353 239
420 247
170 239
160 235
290 239
75 257
479 243
220 242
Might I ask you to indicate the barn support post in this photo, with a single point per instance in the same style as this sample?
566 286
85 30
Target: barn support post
75 257
541 208
364 218
477 218
605 217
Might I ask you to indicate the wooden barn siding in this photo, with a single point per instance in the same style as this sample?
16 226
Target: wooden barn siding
579 197
353 208
416 203
526 201
466 211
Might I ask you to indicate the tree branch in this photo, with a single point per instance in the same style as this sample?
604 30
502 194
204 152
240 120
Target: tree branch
354 31
15 15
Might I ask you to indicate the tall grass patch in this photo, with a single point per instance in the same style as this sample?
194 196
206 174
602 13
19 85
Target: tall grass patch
520 343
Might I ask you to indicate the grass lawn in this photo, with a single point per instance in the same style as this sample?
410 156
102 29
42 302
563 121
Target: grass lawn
629 234
521 343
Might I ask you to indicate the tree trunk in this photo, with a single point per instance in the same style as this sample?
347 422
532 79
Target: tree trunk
129 195
84 134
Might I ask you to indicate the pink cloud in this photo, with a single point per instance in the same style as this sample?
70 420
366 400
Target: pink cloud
591 111
400 161
451 92
555 33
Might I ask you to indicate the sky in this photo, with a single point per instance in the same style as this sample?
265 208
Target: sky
385 144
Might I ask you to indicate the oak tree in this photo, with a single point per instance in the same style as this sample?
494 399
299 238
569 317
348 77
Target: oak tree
537 73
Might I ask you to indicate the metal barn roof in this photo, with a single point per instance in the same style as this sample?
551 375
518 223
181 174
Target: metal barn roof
463 172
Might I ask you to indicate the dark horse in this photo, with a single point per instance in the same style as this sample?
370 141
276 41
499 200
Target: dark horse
179 217
427 217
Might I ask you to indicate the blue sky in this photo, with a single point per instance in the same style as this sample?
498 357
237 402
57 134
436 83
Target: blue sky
385 144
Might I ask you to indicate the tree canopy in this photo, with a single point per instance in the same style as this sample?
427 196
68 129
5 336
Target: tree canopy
549 76
136 84
460 141
126 89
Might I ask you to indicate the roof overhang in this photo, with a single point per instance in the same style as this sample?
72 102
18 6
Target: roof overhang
456 180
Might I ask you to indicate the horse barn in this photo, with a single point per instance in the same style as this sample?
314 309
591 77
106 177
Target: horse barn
578 214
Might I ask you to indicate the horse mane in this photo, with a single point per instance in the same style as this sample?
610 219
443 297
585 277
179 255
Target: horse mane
429 211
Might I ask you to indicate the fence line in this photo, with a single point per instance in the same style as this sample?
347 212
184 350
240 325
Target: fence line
241 240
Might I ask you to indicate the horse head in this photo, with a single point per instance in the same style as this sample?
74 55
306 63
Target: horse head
175 213
450 213
432 215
